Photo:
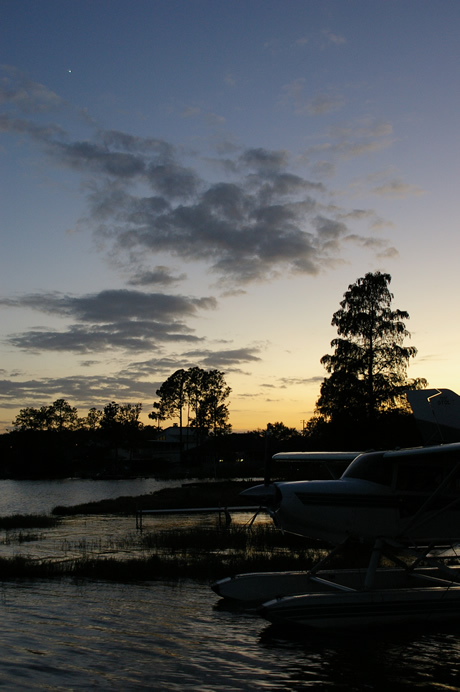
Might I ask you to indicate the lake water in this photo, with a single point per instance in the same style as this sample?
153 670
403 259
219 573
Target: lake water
63 635
39 497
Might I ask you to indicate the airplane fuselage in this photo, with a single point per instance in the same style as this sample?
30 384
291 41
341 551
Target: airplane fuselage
335 510
412 496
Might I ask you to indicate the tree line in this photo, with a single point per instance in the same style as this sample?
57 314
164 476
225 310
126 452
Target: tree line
195 395
60 416
360 399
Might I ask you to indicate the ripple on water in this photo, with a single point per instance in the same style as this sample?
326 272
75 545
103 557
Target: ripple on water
164 636
171 637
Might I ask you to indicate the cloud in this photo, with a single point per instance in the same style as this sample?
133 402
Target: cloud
336 39
158 276
322 102
227 358
265 161
21 126
137 382
18 90
397 189
112 319
89 391
378 246
349 141
245 230
300 381
302 41
145 197
111 304
141 337
323 169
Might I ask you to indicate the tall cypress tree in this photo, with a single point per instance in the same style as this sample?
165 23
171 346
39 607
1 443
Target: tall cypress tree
368 369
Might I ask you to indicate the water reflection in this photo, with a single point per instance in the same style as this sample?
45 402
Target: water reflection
170 637
39 497
163 636
166 636
378 659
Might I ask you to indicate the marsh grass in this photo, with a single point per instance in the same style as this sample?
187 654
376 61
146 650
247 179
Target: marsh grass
258 538
202 552
20 537
150 568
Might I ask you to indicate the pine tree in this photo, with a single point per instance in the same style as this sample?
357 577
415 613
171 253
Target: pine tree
368 369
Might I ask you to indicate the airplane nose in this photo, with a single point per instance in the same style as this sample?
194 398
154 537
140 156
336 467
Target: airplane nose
264 494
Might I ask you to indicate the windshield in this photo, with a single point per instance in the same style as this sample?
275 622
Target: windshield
371 467
415 473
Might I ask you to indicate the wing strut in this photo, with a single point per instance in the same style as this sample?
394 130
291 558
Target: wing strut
414 520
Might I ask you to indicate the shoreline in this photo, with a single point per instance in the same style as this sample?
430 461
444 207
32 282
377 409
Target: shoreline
191 495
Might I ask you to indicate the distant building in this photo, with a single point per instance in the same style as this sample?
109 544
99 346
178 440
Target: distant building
166 445
173 435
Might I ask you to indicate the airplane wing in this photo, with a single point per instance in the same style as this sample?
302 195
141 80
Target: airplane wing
315 456
334 462
433 451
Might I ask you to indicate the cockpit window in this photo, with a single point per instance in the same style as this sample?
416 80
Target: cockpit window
427 473
371 467
414 473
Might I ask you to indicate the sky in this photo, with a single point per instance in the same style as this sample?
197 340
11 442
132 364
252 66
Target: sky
197 183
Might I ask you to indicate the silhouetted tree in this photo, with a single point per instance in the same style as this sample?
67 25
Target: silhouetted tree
173 398
30 418
200 395
93 420
63 416
368 369
208 392
278 431
121 423
59 416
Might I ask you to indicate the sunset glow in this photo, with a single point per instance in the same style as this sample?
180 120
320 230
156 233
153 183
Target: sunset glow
203 183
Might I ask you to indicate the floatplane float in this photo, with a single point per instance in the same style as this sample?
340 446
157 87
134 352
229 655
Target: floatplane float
404 505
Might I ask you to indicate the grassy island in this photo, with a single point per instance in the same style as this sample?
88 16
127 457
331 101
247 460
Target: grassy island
202 551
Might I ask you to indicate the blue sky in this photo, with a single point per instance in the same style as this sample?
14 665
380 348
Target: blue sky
197 183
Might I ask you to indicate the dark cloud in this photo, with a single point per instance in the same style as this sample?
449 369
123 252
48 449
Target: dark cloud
137 382
329 231
21 126
144 199
81 391
158 276
112 305
161 366
245 232
139 145
264 160
225 359
116 319
129 336
91 156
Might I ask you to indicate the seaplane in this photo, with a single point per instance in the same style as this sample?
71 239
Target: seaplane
402 506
